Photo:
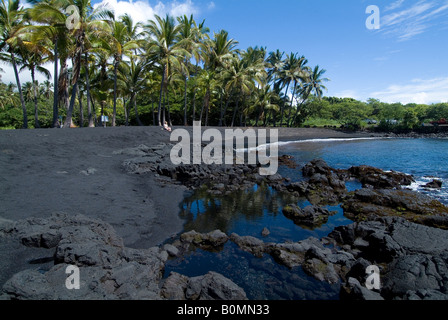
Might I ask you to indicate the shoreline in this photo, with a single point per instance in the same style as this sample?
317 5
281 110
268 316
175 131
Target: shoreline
120 177
46 171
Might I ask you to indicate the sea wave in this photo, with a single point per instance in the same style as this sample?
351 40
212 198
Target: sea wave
284 143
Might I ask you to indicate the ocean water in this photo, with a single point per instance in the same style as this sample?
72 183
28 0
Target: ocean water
247 213
425 159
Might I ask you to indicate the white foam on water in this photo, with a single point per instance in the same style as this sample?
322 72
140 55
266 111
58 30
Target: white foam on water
284 143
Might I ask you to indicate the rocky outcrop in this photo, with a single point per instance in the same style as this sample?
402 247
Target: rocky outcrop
434 184
413 206
372 177
107 269
325 184
308 217
413 257
221 178
212 286
206 241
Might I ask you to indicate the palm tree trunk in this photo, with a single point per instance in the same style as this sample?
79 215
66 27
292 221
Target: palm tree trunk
36 115
89 109
207 105
194 105
300 107
55 123
136 110
81 110
168 109
221 110
93 111
288 124
234 112
102 103
153 115
63 86
19 87
159 111
284 104
114 115
68 121
126 112
185 103
163 109
259 115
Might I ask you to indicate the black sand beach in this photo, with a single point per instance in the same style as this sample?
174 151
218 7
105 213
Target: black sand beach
78 171
108 200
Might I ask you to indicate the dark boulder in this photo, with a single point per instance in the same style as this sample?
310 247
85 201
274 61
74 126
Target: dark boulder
380 179
414 206
434 184
310 216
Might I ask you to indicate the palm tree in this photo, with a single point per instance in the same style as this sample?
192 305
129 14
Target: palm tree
314 84
51 19
100 83
164 49
264 100
118 44
31 59
46 89
12 20
7 96
188 40
291 72
133 78
275 64
200 33
217 54
240 79
90 26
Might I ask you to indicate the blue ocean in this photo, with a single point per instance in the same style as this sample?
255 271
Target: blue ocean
247 213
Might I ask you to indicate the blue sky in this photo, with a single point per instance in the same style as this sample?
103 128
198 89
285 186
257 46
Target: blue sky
403 61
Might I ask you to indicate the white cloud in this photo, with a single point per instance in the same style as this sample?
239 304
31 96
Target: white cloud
424 91
394 5
406 22
142 11
211 5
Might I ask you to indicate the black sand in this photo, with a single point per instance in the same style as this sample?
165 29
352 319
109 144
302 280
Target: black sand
76 171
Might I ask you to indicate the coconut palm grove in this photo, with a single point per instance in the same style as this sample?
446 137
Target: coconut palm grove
108 70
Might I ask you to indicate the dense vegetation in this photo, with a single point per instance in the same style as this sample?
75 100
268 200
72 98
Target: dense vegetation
169 69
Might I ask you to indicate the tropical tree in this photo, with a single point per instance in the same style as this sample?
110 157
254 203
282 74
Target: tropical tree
7 96
187 39
241 81
312 86
274 65
31 59
165 50
293 71
264 102
12 20
218 54
133 78
88 27
118 43
51 18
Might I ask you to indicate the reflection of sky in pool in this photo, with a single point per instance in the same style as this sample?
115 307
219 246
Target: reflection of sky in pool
248 212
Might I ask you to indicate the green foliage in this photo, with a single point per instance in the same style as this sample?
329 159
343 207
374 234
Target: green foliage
170 68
